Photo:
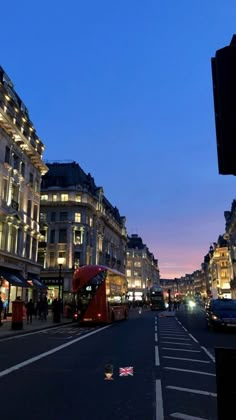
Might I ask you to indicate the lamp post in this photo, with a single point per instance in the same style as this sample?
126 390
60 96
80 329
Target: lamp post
60 261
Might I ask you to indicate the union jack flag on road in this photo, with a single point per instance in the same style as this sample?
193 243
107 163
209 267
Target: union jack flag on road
126 371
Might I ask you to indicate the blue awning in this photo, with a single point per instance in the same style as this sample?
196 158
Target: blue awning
13 277
36 282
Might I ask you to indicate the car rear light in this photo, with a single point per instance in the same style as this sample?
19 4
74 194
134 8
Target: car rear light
99 315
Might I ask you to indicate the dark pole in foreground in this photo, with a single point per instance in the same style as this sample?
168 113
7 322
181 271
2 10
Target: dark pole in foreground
225 382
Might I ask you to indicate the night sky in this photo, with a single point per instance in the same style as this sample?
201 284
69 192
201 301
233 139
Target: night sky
125 88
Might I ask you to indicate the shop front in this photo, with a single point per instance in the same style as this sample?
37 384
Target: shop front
37 290
12 286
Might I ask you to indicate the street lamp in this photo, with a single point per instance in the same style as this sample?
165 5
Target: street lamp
60 261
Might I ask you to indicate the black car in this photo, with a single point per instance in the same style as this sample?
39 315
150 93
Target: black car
221 313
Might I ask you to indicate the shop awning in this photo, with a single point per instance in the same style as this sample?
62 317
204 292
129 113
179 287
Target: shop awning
14 277
35 281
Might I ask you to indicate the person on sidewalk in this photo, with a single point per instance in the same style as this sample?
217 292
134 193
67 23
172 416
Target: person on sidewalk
1 309
29 311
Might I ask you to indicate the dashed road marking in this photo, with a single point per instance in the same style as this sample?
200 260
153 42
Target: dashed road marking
157 358
208 354
192 391
159 401
185 417
186 358
198 372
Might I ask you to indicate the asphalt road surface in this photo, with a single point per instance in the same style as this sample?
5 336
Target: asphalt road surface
59 374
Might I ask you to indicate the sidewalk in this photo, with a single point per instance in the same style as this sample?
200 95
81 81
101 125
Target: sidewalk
37 325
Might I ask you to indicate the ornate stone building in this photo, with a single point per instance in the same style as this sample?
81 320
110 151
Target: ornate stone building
79 226
142 269
21 168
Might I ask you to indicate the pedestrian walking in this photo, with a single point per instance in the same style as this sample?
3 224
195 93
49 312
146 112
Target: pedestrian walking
29 311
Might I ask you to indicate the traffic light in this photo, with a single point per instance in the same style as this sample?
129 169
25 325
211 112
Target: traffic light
224 92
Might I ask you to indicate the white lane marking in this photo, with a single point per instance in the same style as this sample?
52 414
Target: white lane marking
185 417
186 358
178 334
156 338
208 354
155 328
189 371
176 338
159 401
192 391
48 353
193 338
171 342
157 358
175 349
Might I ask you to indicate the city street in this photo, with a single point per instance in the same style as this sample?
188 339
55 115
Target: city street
59 373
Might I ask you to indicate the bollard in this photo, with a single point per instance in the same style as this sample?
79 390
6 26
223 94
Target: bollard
225 382
17 315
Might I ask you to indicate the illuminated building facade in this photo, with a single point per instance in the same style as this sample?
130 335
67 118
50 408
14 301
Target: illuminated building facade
21 169
79 226
220 269
142 269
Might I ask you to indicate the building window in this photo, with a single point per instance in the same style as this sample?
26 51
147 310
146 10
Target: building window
137 283
52 236
23 169
78 198
128 273
31 180
27 246
78 237
34 249
63 216
16 162
51 259
7 155
136 274
4 190
37 186
43 217
64 197
91 222
29 208
36 212
44 197
78 217
53 216
54 197
137 264
62 236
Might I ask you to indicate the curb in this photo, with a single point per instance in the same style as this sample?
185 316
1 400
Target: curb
25 332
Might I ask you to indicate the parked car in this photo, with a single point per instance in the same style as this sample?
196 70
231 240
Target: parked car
221 313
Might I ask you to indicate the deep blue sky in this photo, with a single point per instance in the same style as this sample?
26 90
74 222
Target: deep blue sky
125 88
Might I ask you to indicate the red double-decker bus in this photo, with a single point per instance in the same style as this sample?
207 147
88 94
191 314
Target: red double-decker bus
100 294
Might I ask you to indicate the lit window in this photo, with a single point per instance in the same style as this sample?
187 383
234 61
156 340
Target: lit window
137 283
91 222
137 264
64 197
78 217
128 273
54 197
44 197
78 198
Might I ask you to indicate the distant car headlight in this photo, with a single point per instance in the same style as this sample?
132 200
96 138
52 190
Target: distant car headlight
192 304
215 317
